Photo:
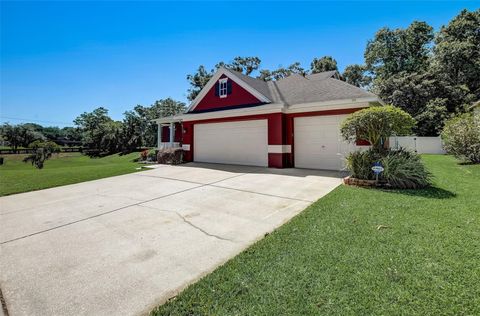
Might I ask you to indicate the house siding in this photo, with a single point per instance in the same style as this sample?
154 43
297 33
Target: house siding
237 98
280 133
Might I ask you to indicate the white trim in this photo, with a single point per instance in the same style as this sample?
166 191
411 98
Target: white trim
279 149
165 145
331 105
168 119
261 109
221 82
223 71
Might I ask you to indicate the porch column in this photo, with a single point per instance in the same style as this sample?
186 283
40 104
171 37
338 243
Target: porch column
172 133
159 135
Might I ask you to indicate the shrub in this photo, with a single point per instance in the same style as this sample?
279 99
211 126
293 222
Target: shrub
172 156
152 155
376 124
404 170
461 137
360 164
41 152
144 155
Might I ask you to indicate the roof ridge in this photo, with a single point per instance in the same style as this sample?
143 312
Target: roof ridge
351 85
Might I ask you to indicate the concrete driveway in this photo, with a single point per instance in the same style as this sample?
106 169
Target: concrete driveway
125 244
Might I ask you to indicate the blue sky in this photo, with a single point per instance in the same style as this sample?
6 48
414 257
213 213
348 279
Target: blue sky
59 59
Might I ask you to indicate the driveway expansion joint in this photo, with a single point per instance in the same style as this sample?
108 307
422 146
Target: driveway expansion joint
117 209
214 184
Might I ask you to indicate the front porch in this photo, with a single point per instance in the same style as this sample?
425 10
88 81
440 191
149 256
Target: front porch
169 133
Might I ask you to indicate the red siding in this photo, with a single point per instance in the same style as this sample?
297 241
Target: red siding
166 133
239 96
280 132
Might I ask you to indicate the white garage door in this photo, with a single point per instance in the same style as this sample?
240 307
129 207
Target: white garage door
241 143
318 143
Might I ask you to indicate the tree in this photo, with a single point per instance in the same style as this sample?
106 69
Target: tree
245 65
12 135
430 121
52 132
197 81
98 131
166 107
71 133
394 51
41 152
461 137
325 63
20 135
457 52
282 72
265 75
376 124
133 131
356 75
111 137
139 122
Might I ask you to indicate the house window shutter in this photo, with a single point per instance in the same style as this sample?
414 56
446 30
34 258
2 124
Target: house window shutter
229 87
217 89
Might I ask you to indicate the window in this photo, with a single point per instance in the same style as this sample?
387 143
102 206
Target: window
222 88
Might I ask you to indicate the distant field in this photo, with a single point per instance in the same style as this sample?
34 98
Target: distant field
65 168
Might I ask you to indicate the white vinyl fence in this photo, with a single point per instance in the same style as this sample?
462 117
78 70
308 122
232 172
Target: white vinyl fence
419 144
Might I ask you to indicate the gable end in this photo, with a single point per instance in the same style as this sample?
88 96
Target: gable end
226 91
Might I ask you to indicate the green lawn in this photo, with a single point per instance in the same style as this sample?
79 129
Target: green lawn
66 168
333 259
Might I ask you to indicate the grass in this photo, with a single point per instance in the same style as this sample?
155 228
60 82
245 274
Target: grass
359 251
65 168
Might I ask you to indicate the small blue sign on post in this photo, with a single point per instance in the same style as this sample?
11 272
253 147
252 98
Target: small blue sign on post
377 169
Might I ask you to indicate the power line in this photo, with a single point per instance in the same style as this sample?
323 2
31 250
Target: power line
34 120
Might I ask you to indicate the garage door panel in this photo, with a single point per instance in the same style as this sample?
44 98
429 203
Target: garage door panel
318 143
243 142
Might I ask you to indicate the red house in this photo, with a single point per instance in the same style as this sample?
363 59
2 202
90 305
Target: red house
292 122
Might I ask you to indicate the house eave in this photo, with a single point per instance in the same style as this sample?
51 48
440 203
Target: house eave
333 105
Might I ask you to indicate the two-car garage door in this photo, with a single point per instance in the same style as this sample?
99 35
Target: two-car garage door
318 143
240 142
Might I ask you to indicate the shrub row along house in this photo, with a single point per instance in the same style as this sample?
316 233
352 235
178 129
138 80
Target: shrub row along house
292 122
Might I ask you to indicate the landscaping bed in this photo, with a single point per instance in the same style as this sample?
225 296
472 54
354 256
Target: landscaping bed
359 251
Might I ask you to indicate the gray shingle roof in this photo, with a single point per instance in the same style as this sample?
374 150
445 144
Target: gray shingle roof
296 89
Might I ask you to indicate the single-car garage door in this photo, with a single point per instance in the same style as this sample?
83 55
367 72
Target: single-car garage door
241 143
318 143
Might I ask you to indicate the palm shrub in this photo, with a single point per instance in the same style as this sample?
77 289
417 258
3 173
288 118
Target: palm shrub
461 137
404 170
360 164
